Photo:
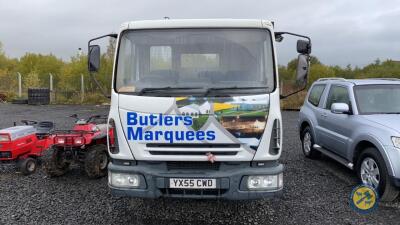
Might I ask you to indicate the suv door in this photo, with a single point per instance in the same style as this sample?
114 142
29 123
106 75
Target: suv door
336 128
315 104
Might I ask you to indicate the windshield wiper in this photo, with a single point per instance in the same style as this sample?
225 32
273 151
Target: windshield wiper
147 90
209 90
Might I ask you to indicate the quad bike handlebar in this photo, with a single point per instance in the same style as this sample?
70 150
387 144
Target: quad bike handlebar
90 119
29 122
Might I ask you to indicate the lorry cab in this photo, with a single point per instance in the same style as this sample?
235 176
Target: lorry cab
195 109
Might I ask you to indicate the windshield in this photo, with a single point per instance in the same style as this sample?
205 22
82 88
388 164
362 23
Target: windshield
378 99
168 60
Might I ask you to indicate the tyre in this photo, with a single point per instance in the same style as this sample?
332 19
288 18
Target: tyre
28 166
55 163
38 96
372 171
96 161
307 143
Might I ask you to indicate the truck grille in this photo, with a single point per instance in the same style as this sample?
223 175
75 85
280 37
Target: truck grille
197 150
187 145
193 165
202 153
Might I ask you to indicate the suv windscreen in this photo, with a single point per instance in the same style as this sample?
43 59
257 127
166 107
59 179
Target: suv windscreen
378 99
178 59
337 94
316 93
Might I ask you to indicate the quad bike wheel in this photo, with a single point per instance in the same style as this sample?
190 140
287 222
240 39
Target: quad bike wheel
28 166
96 161
54 162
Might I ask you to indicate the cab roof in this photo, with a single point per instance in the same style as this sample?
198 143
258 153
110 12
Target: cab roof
197 23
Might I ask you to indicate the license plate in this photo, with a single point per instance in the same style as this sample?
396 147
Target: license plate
192 183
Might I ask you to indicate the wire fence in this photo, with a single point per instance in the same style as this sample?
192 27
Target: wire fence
81 91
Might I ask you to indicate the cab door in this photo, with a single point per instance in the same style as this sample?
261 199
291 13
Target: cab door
336 127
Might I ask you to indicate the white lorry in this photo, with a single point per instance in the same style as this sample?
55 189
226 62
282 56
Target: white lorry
195 108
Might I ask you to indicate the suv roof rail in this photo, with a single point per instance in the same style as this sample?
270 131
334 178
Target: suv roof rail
331 78
383 78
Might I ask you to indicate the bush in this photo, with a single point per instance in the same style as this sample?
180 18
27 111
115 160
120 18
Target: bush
293 102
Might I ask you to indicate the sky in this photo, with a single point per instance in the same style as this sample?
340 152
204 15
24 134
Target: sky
343 32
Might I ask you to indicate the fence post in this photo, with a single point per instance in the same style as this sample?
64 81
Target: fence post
82 88
51 87
19 85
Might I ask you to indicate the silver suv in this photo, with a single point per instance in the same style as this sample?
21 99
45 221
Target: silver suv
357 123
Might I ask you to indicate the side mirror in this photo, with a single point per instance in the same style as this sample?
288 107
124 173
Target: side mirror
303 47
303 65
340 108
94 58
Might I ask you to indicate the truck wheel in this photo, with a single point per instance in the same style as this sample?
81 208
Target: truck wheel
372 171
307 143
96 161
28 166
54 162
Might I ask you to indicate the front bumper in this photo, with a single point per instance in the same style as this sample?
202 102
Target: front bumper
231 180
392 159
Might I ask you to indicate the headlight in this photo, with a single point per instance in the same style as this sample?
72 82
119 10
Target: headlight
59 140
123 180
265 182
4 138
396 142
79 141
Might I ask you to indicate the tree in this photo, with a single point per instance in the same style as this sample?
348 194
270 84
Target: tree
40 64
32 80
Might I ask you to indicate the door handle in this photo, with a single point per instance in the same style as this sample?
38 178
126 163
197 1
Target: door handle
324 115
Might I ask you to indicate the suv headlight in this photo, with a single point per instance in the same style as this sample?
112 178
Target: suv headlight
396 142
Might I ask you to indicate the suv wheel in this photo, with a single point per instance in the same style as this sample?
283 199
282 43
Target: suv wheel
307 143
372 171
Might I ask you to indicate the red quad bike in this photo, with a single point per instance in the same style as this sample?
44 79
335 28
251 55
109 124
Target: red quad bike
24 145
85 144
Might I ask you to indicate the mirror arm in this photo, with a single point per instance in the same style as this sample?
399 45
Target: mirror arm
293 34
102 90
308 59
285 96
113 35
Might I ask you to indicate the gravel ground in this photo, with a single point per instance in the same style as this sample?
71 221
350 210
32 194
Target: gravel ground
316 192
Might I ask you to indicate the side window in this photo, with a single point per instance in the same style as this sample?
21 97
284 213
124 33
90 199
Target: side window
316 93
337 94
